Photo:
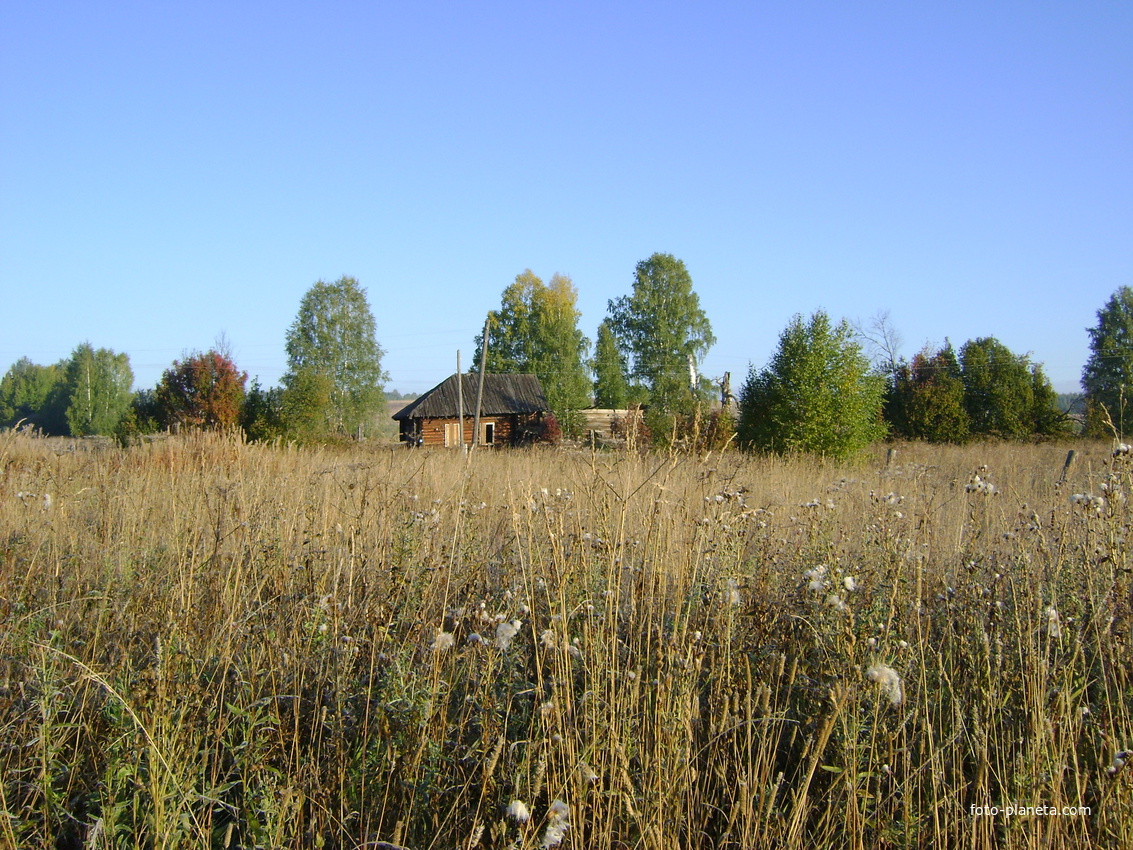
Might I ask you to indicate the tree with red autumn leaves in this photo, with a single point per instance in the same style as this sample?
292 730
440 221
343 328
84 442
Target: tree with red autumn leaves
202 391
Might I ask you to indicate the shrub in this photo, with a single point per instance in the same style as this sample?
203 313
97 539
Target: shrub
816 396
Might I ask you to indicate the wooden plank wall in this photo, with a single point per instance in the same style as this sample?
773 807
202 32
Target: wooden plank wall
601 419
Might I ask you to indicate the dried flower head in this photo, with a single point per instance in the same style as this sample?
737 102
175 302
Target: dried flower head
518 810
816 578
888 680
1088 502
557 823
505 632
443 641
731 594
977 484
1119 761
554 834
1053 622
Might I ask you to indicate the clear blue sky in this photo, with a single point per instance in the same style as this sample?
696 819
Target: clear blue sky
169 171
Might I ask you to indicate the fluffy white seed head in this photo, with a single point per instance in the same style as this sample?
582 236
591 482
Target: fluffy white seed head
554 834
1053 622
816 579
888 680
505 632
558 816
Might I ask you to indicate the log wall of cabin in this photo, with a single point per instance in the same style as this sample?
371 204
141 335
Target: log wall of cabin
433 430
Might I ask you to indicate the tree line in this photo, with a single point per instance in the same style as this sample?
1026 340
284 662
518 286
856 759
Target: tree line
333 385
819 393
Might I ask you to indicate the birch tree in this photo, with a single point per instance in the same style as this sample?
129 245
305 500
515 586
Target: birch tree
334 339
98 390
659 327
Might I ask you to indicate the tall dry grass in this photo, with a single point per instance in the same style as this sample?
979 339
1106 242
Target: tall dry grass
212 644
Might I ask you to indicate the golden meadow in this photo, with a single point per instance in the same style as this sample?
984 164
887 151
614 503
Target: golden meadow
207 643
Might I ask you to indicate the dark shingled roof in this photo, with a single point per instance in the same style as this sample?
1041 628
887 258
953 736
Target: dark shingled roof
502 394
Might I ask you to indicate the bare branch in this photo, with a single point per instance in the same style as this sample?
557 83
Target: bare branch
881 340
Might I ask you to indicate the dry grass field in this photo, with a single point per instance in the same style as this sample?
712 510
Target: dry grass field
213 644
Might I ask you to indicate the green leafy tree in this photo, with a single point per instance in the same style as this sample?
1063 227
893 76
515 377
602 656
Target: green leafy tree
985 391
560 351
35 395
658 328
512 328
143 416
307 406
611 389
333 336
262 414
818 394
536 331
925 400
202 391
394 395
1108 374
98 390
999 389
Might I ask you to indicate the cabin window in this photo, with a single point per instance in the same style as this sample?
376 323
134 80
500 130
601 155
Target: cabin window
452 434
488 433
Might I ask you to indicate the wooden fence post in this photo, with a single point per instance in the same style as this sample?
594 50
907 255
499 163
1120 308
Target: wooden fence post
1070 455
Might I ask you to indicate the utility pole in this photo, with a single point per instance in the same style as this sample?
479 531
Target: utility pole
480 388
460 399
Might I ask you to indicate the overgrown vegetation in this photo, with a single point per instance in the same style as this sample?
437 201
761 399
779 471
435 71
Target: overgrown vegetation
209 643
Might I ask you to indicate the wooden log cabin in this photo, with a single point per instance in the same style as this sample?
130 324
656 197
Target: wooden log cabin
511 412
